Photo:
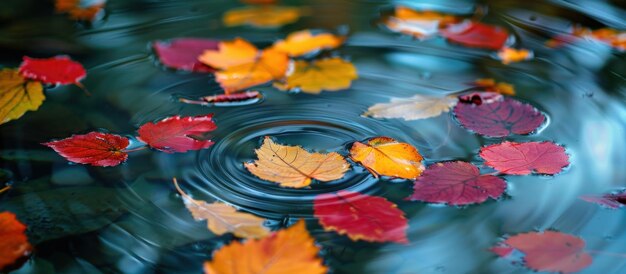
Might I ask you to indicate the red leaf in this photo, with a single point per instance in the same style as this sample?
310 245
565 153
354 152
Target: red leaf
551 251
94 148
360 216
525 158
478 35
13 242
456 183
609 200
178 134
502 251
499 118
183 53
59 70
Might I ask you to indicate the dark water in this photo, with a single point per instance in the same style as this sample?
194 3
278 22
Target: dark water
128 219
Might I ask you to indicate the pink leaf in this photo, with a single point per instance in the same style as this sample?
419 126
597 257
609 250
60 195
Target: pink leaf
183 53
609 200
59 70
475 34
178 134
525 158
94 148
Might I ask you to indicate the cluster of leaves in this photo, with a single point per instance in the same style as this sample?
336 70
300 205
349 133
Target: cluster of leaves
82 10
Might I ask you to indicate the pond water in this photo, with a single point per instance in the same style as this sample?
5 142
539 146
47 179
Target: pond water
129 218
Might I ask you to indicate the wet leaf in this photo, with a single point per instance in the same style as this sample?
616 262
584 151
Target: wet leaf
456 183
525 158
361 217
14 244
292 166
419 24
94 148
549 251
266 16
611 37
511 55
488 84
222 218
243 65
290 250
610 200
18 95
85 10
477 35
227 99
183 53
305 42
59 70
331 74
177 133
499 117
388 157
413 108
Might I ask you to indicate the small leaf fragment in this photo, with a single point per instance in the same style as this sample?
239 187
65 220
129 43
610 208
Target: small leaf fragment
510 55
94 148
266 16
613 200
18 95
419 24
388 157
413 108
488 84
84 10
332 74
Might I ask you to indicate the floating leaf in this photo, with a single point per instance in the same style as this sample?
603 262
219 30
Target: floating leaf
266 16
611 37
488 84
243 65
85 10
183 53
609 200
18 95
456 183
236 99
549 251
419 24
304 42
292 166
388 157
361 217
413 108
59 70
499 118
178 134
94 148
511 55
475 34
290 250
331 74
14 244
525 158
222 218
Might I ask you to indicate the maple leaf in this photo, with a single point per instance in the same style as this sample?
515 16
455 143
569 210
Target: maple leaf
610 200
332 74
475 34
222 218
80 9
361 217
388 157
177 133
266 16
456 183
549 251
94 148
305 42
413 108
182 53
287 251
419 24
498 117
292 166
525 158
18 95
511 55
14 244
488 84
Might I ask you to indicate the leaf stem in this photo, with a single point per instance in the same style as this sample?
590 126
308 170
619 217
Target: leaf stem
135 149
5 189
81 86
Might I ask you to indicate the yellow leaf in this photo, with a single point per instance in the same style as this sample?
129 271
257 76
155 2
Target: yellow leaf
412 108
289 251
222 218
303 42
266 16
292 166
511 55
388 157
489 84
327 74
419 24
18 95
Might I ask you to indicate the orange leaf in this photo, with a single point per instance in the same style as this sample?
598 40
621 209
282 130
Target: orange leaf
614 38
230 54
489 84
303 42
267 16
511 55
13 242
292 166
388 157
419 24
331 74
78 11
288 251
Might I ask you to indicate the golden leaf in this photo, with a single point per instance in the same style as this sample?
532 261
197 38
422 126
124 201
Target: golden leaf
331 74
266 16
489 84
288 251
511 55
303 42
292 166
412 108
388 157
222 218
18 95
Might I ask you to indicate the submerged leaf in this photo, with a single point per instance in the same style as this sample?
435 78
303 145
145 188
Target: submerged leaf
361 217
94 148
478 35
525 158
290 250
388 157
266 16
59 70
332 74
292 166
18 95
413 108
304 42
177 133
14 244
511 55
182 53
